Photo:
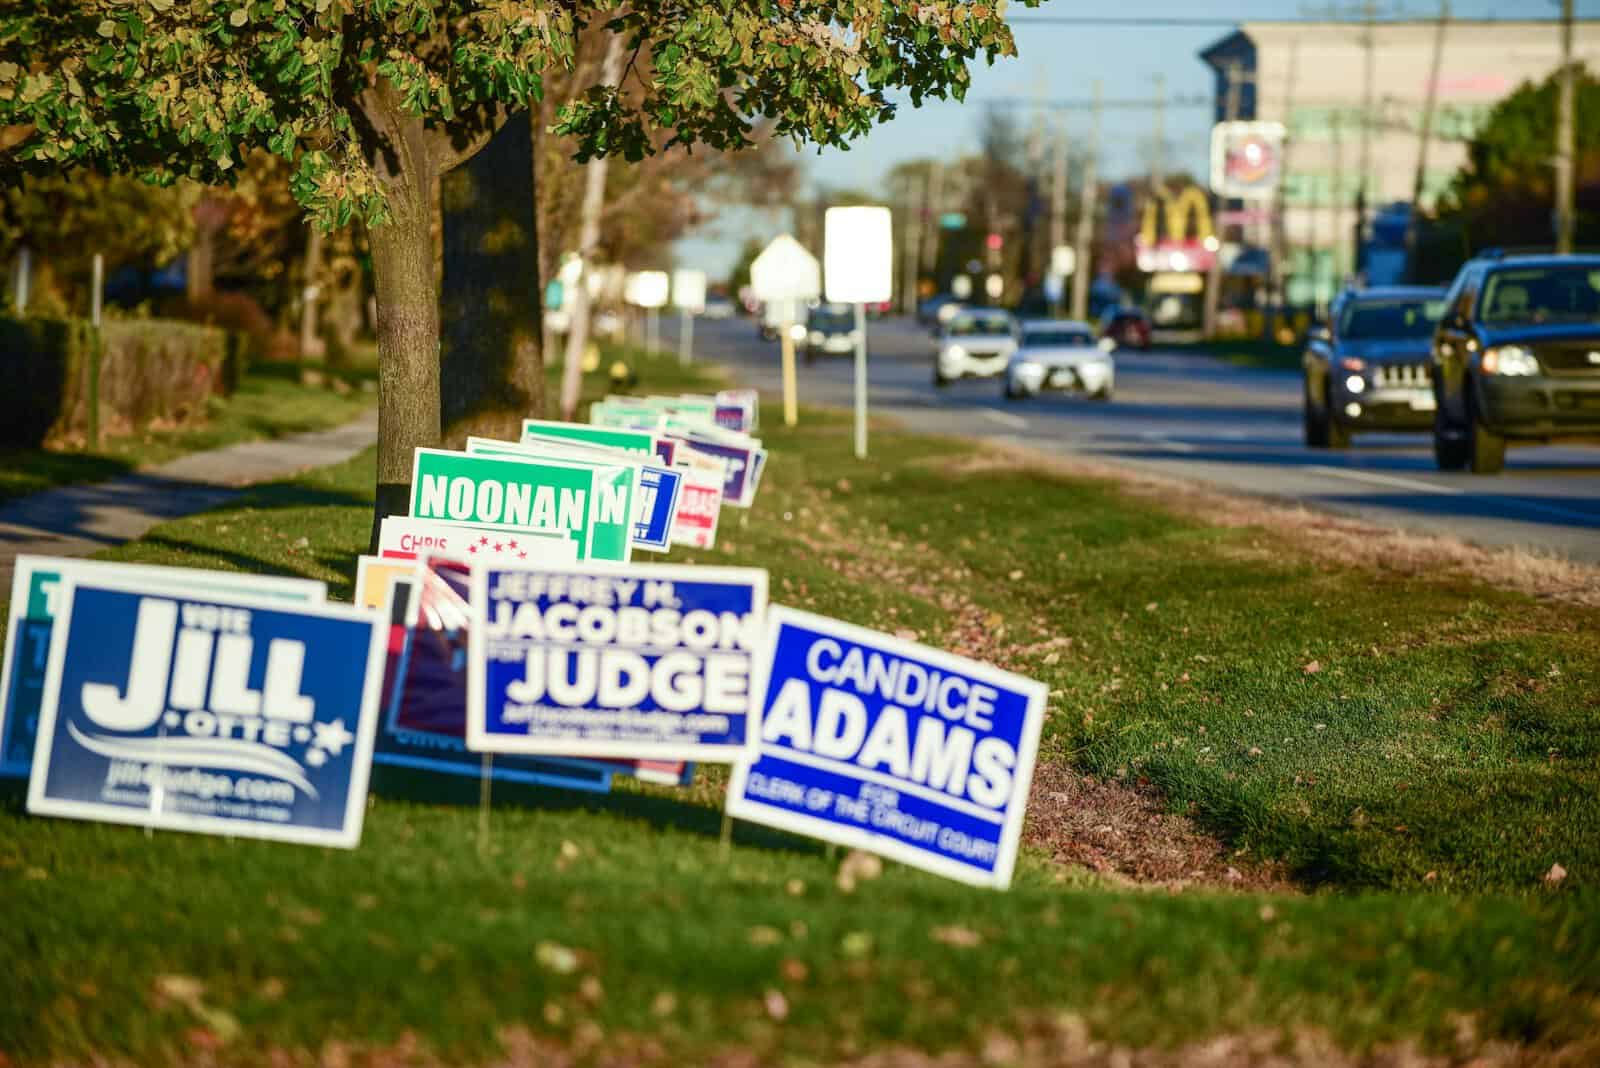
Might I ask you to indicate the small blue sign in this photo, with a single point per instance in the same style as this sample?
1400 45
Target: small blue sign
889 746
659 488
425 719
224 715
35 586
744 465
646 661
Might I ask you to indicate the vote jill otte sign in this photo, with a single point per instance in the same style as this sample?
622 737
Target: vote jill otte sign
214 714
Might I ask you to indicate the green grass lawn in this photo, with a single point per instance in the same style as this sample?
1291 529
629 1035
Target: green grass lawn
1409 757
271 402
1247 352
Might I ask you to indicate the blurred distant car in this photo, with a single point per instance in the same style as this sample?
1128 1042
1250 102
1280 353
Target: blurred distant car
830 331
928 310
1126 327
878 309
1516 357
1060 354
770 322
1368 369
718 308
974 343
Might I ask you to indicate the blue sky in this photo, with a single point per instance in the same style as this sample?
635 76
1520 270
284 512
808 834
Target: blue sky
1063 62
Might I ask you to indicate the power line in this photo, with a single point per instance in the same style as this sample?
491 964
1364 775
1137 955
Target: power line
1203 22
1128 104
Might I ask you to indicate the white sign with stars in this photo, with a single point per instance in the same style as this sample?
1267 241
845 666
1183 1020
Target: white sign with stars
404 538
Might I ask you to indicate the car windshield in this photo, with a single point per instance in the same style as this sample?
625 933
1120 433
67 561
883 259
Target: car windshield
974 325
1366 319
826 319
1567 293
1040 338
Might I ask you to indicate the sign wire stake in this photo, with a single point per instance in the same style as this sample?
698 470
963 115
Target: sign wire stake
484 787
725 840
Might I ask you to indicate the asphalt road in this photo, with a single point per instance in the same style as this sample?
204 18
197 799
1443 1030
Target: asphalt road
1198 418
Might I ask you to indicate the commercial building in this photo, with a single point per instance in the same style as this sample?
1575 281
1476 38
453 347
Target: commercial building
1351 97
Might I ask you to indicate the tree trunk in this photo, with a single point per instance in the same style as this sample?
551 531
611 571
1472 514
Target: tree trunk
492 362
408 342
310 295
200 265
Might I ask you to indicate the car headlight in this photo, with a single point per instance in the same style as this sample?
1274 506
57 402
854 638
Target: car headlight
955 352
1028 367
1353 363
1509 360
1355 383
797 332
816 337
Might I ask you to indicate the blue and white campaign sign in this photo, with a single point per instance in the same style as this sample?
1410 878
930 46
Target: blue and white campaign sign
889 746
643 661
35 601
660 489
425 717
211 713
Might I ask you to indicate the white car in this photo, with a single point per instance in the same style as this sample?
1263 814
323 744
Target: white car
975 343
1060 354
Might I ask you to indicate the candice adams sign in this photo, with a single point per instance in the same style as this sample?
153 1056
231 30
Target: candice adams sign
644 661
208 713
890 746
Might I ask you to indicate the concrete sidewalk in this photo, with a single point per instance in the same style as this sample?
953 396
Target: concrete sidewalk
79 520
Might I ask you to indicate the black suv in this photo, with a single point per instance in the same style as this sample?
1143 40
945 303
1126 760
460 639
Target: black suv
1516 357
1368 369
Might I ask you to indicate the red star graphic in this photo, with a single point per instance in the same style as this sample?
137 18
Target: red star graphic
522 556
498 547
511 544
472 548
483 541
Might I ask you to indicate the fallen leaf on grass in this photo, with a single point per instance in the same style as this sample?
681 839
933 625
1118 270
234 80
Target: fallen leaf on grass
956 935
664 1004
794 970
1555 874
1312 668
777 1005
554 957
858 867
906 634
765 936
856 944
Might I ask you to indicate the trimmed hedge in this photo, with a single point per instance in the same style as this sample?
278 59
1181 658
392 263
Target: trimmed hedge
150 370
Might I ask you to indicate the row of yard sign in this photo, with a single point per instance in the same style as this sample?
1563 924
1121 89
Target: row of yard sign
506 630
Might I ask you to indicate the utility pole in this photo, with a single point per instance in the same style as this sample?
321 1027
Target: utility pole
1058 204
1369 14
594 200
1213 297
1277 299
1158 161
1086 211
1336 202
930 219
1564 123
911 229
1424 135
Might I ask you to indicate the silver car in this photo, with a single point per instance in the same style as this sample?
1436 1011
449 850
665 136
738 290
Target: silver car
975 343
1060 354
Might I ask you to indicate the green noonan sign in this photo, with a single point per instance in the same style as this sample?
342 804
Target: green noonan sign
593 503
640 441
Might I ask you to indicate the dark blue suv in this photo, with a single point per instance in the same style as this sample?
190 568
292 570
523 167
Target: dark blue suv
1516 358
1368 368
